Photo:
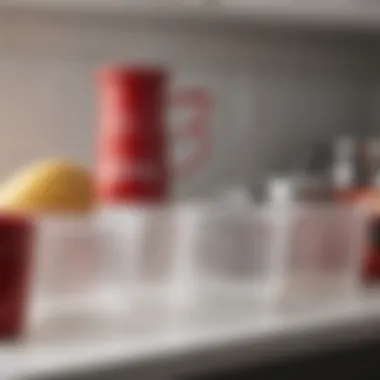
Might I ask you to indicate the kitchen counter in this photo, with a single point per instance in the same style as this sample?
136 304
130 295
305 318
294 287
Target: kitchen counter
220 341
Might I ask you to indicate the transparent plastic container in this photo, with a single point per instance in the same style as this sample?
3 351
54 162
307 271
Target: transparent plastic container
74 283
156 263
325 247
234 256
139 264
146 236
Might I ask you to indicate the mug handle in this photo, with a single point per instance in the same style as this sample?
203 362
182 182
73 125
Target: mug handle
196 128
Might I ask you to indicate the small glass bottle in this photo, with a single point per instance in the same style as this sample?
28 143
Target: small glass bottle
355 181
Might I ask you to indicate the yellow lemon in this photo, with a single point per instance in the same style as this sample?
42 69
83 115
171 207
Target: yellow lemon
49 186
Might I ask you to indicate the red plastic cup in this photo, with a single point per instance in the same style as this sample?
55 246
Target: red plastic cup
132 152
16 235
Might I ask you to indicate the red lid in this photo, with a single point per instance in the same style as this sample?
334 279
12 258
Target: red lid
14 218
123 72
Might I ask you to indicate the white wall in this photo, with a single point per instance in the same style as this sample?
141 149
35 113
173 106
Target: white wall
273 92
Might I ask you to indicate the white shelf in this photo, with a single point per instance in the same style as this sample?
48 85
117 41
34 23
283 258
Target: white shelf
221 341
355 13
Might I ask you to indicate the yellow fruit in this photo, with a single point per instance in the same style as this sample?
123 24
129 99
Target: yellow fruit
49 186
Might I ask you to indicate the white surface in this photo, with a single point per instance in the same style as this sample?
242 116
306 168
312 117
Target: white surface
335 12
222 340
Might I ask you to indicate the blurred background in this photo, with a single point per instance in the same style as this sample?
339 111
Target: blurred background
280 77
274 99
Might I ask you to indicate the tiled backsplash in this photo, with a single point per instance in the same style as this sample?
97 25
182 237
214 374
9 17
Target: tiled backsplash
272 92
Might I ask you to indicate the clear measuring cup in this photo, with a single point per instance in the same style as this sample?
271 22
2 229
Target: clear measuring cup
232 255
325 244
74 283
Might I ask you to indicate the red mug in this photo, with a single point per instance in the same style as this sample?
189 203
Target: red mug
134 142
16 235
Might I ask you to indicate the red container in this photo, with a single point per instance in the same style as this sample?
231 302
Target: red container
16 249
132 153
